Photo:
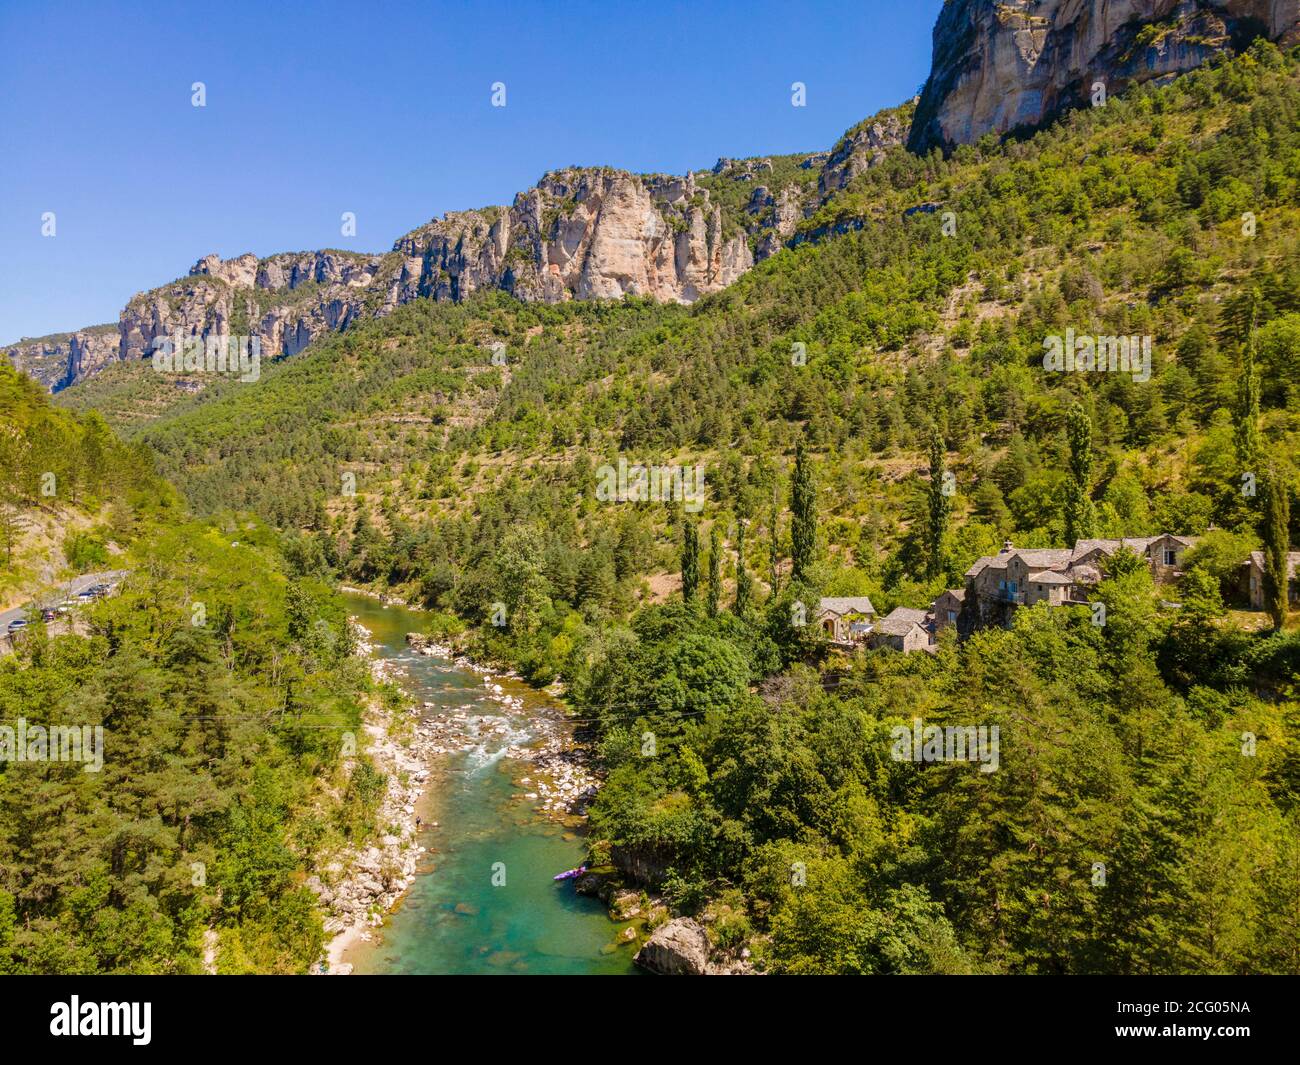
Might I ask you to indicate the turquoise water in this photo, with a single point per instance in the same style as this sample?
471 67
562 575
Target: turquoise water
455 919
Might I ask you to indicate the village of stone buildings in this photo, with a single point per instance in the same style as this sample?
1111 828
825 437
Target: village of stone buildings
1017 576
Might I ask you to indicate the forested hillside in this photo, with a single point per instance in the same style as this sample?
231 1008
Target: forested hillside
224 692
1144 815
68 489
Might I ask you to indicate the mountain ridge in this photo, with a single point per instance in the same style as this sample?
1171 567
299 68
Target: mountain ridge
578 233
601 232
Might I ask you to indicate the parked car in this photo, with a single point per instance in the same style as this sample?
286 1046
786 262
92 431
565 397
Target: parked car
17 625
86 597
49 614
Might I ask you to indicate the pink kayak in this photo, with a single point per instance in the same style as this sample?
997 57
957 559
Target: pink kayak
569 874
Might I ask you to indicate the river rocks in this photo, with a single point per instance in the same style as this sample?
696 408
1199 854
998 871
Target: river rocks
625 904
361 886
679 948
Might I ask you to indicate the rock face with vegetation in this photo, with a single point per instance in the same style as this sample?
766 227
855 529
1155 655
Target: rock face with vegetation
580 233
601 233
1000 65
286 301
679 948
58 360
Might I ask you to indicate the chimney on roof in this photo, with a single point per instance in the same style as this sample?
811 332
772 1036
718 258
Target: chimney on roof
1006 546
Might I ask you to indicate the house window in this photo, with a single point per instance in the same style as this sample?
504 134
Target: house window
952 615
1171 558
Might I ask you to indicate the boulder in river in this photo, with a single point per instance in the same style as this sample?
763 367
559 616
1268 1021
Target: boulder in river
679 948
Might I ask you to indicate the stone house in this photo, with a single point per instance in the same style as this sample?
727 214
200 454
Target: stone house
1254 567
904 629
947 608
846 619
1019 576
1062 576
1163 553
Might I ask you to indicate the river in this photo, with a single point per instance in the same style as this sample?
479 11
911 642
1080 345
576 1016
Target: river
459 916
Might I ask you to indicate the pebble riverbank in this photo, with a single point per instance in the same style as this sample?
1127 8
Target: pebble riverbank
361 886
561 783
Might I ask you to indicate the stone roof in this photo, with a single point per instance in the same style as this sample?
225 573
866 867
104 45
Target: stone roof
1292 561
1036 558
1049 576
899 621
1084 573
1063 560
1140 544
845 604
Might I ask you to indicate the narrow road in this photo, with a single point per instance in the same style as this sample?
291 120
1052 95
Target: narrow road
78 584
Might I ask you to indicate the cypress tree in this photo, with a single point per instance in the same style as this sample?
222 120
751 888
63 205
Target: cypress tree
1245 414
715 570
803 521
939 509
690 560
744 584
1276 543
774 547
1080 515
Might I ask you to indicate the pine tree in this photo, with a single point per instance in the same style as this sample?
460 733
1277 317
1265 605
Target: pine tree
10 530
774 547
1246 411
744 583
690 560
1080 514
1276 542
803 521
940 506
714 597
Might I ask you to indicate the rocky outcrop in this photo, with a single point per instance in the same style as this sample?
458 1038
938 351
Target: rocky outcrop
777 215
581 233
679 948
286 301
578 234
860 149
61 359
640 865
1003 65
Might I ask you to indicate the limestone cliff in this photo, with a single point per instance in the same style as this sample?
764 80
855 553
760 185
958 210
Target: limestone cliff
62 358
580 233
1002 65
286 301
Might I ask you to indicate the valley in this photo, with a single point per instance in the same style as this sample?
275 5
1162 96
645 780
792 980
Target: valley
681 531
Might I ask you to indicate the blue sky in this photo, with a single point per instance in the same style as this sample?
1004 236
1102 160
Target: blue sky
383 110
